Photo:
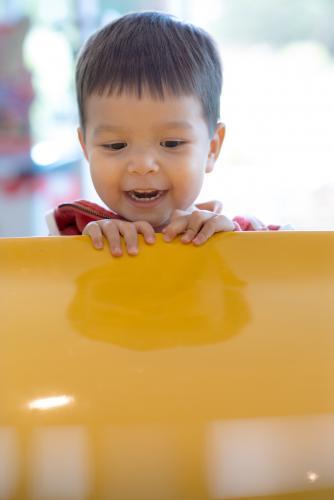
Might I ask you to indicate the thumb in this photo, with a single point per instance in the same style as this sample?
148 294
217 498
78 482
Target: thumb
211 206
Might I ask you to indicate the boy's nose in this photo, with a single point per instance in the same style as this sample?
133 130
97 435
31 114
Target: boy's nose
142 165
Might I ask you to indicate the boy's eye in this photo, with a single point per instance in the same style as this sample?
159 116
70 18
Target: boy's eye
115 146
171 144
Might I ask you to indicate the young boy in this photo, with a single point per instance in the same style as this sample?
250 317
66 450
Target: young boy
148 89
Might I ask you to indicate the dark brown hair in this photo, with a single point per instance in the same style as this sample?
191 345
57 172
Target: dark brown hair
151 50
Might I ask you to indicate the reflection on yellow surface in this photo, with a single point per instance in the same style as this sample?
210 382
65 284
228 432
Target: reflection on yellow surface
312 476
50 402
171 310
272 455
9 462
141 460
182 373
59 463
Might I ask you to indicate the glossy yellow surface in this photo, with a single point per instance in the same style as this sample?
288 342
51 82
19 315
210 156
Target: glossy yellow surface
182 373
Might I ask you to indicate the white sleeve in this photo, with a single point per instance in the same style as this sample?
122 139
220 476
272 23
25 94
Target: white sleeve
51 223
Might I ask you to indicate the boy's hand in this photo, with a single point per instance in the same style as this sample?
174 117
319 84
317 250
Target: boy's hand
113 229
212 206
197 227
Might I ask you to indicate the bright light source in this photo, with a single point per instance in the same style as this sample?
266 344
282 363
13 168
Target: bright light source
50 402
45 154
312 476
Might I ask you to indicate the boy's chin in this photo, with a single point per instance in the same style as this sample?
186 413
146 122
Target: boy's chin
156 220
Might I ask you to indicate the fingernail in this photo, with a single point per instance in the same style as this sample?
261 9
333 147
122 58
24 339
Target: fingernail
98 244
116 251
150 239
185 238
167 237
198 240
133 250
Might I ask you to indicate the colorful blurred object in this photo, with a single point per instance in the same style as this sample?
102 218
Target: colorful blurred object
16 96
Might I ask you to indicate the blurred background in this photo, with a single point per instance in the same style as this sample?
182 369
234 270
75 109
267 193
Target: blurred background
277 161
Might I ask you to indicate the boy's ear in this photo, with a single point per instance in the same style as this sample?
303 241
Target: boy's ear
82 141
215 146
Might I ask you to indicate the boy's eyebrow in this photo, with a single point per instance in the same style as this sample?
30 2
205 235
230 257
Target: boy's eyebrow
106 128
176 124
170 124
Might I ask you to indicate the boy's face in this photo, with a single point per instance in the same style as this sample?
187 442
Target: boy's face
148 157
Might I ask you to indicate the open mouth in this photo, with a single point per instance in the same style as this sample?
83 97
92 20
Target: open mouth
144 195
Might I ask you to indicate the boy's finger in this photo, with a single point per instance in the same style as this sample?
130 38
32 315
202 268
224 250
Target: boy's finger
189 235
196 222
212 206
215 224
111 232
174 228
129 231
146 230
208 229
93 230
